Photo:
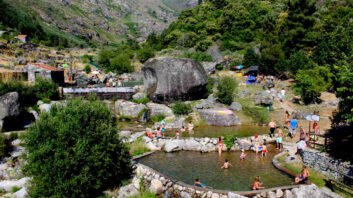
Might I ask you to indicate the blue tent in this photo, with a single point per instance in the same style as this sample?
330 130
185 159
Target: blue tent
251 80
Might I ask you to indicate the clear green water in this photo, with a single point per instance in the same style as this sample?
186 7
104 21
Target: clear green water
187 165
214 131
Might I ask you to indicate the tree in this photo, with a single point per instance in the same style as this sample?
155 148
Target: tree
251 58
75 151
121 64
145 53
226 90
310 83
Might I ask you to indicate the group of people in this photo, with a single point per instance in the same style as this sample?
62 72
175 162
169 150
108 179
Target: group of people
160 131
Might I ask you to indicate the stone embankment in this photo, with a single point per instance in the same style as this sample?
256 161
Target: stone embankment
201 144
162 185
322 162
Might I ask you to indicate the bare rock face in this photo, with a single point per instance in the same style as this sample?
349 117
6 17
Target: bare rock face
169 79
9 106
219 117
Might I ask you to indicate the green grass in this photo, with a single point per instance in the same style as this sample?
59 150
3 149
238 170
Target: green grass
131 25
145 195
15 189
138 147
315 177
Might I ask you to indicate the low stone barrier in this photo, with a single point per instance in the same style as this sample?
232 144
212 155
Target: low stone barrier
322 162
201 144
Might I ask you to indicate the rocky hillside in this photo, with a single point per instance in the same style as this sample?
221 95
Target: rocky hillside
103 20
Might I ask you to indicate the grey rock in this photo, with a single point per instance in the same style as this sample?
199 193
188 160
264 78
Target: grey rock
288 194
191 145
270 194
171 146
233 195
125 133
235 106
210 67
168 79
7 185
139 96
127 108
128 191
156 109
9 105
219 117
279 193
156 186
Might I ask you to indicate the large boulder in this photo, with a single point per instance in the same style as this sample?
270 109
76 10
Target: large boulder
235 106
129 109
7 185
9 106
191 145
156 186
156 109
128 191
168 79
174 145
219 117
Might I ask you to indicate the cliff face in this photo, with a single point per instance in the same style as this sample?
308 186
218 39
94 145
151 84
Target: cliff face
105 20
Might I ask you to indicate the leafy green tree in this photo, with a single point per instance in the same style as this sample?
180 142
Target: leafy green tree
251 58
226 90
104 57
75 151
87 69
310 83
121 64
145 53
299 61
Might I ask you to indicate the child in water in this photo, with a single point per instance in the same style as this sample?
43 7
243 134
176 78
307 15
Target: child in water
226 165
264 150
242 154
177 135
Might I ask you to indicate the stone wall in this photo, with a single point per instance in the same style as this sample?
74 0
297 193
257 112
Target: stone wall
201 144
164 186
324 163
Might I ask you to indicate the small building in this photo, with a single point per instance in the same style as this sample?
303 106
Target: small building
45 71
22 37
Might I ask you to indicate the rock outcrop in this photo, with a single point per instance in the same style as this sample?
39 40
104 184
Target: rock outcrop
9 106
168 79
156 109
219 117
129 109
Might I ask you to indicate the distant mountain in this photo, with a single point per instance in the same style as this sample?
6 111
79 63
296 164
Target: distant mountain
103 21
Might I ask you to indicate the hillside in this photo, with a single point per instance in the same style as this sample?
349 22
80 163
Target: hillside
103 21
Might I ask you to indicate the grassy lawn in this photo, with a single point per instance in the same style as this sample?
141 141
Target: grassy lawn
315 176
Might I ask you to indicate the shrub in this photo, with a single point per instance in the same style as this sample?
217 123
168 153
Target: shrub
198 56
229 140
138 147
144 100
15 189
5 146
226 90
87 69
181 108
75 151
219 67
157 118
145 53
121 64
210 85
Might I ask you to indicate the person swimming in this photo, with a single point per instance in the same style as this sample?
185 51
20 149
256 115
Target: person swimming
199 184
242 154
226 165
257 185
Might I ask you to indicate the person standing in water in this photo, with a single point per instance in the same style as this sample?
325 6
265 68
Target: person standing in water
226 165
220 145
190 127
272 126
279 138
242 154
264 150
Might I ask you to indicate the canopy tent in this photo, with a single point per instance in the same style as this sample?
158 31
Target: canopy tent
252 71
251 80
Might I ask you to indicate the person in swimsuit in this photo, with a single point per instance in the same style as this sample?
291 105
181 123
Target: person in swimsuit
302 134
279 138
242 154
163 131
199 184
182 129
256 143
257 185
159 133
220 145
303 177
177 135
190 127
272 126
226 165
264 150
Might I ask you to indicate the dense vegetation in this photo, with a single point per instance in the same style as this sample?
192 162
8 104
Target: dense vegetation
181 108
75 151
226 90
30 94
27 23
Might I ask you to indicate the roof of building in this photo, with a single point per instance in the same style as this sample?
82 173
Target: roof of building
46 67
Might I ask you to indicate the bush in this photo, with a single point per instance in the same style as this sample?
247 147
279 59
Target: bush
310 83
210 85
226 90
157 118
181 108
219 67
75 151
198 56
144 100
121 64
5 146
229 140
145 53
138 147
87 69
